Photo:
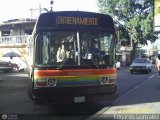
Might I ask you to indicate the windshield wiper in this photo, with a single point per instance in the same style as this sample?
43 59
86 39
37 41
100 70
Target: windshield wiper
85 63
61 65
94 62
68 61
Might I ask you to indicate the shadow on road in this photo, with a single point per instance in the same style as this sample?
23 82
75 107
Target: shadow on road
78 109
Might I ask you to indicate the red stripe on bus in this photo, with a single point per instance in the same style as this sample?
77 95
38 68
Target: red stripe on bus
76 72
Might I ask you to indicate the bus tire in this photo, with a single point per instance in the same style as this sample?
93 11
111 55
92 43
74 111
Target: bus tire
30 89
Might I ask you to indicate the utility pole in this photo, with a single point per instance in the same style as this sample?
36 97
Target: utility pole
40 9
32 10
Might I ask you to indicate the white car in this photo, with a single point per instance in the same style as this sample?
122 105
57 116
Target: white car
141 65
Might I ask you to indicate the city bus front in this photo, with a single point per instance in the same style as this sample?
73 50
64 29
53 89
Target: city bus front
74 66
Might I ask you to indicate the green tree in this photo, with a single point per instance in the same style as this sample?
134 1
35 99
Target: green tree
137 16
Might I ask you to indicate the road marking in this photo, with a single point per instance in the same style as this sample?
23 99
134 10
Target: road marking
151 76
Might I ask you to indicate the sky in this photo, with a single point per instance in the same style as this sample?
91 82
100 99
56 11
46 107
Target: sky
15 9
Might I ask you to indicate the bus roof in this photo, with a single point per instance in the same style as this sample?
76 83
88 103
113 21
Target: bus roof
75 20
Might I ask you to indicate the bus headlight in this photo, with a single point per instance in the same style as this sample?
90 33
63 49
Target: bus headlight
51 82
104 80
108 80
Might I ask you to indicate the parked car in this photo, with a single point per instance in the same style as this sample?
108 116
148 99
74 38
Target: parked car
6 66
141 65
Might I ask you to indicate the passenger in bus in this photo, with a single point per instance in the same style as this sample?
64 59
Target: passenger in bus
63 52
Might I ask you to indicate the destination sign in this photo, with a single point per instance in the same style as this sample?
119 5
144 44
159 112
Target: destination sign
77 20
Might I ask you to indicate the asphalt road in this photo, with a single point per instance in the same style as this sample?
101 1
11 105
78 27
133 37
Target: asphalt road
14 100
127 81
142 102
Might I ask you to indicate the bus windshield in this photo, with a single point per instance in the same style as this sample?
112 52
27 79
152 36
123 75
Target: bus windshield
74 49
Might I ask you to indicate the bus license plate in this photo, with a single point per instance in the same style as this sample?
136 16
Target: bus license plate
79 99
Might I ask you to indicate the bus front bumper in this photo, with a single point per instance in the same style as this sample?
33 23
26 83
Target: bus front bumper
76 94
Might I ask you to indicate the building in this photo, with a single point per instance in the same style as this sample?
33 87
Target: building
16 27
14 36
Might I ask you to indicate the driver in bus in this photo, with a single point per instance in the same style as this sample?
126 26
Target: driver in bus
92 50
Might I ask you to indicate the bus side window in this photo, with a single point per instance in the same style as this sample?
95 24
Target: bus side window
45 48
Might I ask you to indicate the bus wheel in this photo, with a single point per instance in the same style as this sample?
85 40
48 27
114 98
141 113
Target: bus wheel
30 89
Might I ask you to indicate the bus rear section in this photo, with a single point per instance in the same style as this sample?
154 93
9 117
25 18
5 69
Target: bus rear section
73 57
